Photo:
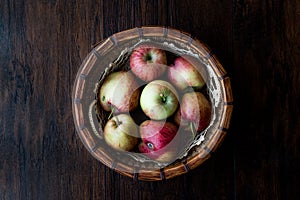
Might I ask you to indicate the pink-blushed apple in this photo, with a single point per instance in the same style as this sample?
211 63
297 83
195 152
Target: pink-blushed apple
187 128
179 121
159 99
158 140
120 92
148 62
195 110
183 74
121 133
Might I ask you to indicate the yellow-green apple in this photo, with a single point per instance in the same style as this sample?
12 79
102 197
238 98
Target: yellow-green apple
148 62
159 99
184 74
158 140
121 132
120 92
195 110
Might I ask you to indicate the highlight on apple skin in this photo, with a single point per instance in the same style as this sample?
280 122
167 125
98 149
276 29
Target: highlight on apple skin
121 132
148 62
159 100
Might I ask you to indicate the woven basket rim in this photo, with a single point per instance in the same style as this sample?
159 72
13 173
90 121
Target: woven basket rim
191 161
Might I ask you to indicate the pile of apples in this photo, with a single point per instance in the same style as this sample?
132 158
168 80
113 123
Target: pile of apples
151 102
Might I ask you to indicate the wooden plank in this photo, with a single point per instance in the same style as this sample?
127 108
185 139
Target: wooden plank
41 156
266 78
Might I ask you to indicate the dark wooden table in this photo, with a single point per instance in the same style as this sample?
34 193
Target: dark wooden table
42 44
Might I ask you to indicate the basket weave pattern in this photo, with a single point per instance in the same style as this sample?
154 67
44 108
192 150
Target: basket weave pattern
91 140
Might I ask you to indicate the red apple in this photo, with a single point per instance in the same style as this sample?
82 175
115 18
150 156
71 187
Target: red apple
158 140
194 110
148 62
121 133
159 100
183 74
119 91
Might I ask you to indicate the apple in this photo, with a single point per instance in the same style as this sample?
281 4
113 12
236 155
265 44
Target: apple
148 62
121 133
158 140
187 128
195 111
159 100
179 121
120 92
183 74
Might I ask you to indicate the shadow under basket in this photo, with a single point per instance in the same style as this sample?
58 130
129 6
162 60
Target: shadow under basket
112 54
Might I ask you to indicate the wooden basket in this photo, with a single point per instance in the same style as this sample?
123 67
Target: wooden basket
104 59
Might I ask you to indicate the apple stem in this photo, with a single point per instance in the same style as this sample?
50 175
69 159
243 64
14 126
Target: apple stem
192 129
118 122
112 111
163 97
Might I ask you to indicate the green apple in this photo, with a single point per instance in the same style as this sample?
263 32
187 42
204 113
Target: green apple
121 132
159 99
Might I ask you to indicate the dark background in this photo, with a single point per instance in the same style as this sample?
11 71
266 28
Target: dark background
43 43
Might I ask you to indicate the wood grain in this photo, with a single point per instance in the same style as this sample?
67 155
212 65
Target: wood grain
266 48
43 44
